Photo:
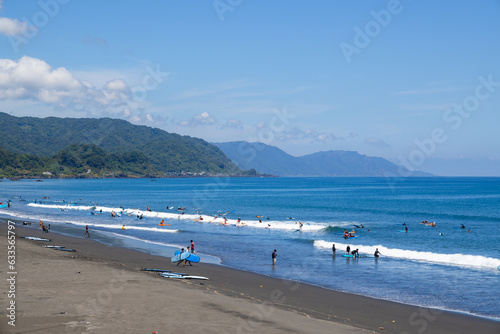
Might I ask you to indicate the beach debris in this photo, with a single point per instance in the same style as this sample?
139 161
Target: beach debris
381 328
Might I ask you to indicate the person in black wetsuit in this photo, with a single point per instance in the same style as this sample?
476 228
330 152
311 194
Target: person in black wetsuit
355 253
348 249
463 226
377 253
333 249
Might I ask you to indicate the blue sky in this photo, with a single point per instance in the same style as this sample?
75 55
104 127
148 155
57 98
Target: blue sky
415 82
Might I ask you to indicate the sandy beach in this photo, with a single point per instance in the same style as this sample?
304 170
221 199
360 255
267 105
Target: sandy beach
100 289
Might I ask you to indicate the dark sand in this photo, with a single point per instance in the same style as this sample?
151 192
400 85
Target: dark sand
100 289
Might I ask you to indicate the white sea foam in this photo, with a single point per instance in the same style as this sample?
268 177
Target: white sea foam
461 260
148 241
289 225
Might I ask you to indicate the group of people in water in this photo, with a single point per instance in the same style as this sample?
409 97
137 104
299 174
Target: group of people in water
354 252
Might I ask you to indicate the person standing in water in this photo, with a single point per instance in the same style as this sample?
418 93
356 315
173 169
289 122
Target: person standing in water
333 249
377 253
274 255
87 234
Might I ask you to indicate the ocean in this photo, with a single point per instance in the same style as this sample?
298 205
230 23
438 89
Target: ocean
442 266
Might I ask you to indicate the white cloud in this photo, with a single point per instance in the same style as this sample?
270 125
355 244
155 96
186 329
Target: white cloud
311 135
376 142
11 27
33 79
197 120
232 124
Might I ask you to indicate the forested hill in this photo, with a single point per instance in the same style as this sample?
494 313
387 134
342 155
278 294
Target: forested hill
73 144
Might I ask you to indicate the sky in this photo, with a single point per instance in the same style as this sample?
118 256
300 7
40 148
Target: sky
415 82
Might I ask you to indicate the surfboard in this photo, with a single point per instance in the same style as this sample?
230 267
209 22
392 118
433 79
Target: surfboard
36 239
173 275
191 258
349 255
180 257
65 249
3 206
50 246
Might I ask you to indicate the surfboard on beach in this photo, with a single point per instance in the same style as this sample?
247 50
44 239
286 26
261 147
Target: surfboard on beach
174 275
36 239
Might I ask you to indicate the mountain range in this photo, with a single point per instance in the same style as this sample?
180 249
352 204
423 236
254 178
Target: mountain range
272 160
105 147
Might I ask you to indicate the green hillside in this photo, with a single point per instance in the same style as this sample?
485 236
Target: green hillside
124 147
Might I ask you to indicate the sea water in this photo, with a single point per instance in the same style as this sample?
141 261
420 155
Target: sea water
446 266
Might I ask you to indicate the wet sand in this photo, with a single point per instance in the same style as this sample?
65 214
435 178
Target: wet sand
100 289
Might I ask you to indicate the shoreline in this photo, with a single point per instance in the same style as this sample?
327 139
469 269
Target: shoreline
313 302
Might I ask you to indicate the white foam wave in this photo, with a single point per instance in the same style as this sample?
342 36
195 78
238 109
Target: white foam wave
461 260
265 224
149 241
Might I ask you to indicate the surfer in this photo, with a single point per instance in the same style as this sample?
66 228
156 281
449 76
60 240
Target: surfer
274 255
348 249
333 249
406 229
463 226
87 234
377 253
300 225
355 253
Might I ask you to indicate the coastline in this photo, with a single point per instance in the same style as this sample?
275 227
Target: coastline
295 303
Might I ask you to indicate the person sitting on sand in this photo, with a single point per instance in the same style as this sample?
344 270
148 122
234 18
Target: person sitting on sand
377 253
